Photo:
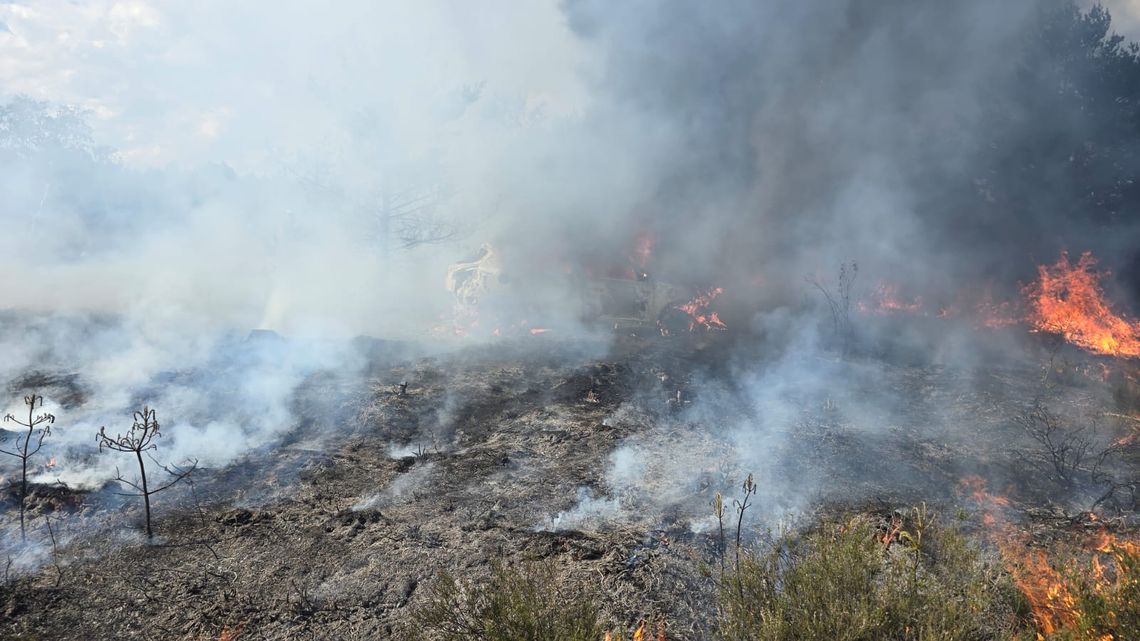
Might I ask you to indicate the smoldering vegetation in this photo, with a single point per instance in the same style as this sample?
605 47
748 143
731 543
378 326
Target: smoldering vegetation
835 215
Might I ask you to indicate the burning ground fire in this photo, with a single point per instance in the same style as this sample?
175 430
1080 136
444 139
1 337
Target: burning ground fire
885 300
1052 594
1067 299
699 313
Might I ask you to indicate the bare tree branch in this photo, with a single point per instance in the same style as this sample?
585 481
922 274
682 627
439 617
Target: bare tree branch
23 449
137 440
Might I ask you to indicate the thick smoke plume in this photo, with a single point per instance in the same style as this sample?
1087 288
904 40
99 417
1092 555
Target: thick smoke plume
176 176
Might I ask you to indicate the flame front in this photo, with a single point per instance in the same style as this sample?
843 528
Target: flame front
1049 597
1051 594
1067 299
699 313
885 300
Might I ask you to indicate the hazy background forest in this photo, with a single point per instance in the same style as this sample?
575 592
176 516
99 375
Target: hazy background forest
255 170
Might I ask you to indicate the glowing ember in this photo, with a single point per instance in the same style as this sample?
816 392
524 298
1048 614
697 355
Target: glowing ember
885 300
1067 300
1131 437
230 634
699 314
892 533
643 249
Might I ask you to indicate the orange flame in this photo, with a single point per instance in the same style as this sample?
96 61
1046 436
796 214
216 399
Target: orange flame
891 534
1067 299
643 248
640 634
885 300
699 314
1129 438
1051 598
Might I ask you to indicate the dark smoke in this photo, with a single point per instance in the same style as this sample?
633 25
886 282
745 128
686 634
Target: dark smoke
940 144
319 183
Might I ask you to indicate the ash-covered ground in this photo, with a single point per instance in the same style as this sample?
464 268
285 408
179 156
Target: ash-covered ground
602 456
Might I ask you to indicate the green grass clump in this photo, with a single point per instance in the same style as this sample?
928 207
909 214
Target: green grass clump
839 582
526 602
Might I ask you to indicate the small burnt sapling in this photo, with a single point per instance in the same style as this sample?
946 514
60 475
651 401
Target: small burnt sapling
839 303
27 444
139 439
718 509
749 488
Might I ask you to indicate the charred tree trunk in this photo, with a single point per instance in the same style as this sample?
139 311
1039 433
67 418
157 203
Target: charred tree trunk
145 495
24 451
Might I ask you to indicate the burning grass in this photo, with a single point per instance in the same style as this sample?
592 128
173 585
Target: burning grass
855 578
875 579
1067 299
885 299
699 313
1089 591
1079 593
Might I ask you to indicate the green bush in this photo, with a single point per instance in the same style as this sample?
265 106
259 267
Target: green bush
524 603
839 582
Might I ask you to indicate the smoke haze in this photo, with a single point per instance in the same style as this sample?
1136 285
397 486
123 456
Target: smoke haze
197 171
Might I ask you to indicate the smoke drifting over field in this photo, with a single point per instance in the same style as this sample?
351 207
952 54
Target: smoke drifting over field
798 135
754 142
314 172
